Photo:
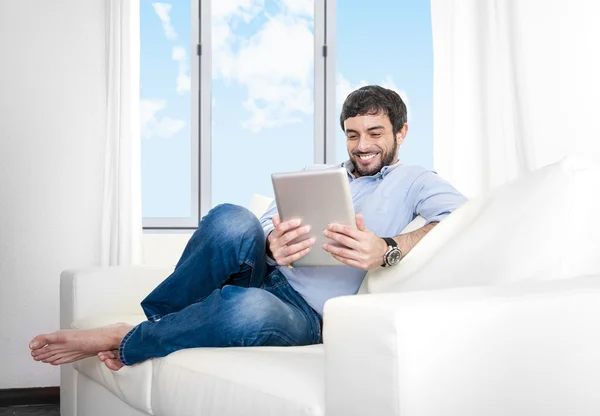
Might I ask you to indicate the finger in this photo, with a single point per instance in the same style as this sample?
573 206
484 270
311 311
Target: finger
342 239
360 222
341 251
295 257
291 235
294 248
279 242
349 262
348 230
276 220
285 226
283 255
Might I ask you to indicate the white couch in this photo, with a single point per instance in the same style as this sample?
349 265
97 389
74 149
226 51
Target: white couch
495 312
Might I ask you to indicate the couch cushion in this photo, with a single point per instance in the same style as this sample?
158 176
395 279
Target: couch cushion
240 381
215 381
539 227
130 384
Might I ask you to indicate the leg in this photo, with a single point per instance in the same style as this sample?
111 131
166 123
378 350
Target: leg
227 247
231 316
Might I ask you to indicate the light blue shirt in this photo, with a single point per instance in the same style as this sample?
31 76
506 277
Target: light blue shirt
389 201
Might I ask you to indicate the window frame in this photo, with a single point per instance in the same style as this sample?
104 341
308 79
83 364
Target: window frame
201 96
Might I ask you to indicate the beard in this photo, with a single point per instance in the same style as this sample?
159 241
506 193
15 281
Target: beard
386 160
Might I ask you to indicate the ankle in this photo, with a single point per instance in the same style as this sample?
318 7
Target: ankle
121 331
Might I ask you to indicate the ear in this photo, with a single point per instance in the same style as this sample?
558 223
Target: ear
401 135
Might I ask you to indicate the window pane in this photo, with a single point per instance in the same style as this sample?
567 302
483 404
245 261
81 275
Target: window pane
165 108
262 89
388 43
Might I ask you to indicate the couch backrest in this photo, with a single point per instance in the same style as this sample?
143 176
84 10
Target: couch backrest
259 204
541 226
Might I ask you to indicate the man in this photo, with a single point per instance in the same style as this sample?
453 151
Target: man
231 286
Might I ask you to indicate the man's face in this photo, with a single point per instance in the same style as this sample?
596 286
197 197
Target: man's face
371 143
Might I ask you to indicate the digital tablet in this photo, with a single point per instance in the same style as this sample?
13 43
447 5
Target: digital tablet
318 197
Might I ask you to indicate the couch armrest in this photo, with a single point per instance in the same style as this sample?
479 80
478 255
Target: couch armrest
106 290
521 349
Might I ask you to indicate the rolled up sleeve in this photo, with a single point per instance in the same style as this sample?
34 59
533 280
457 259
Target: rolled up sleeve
434 198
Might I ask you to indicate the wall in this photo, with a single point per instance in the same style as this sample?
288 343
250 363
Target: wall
52 98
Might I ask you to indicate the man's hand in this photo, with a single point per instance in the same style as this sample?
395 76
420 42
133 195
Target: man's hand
279 238
363 249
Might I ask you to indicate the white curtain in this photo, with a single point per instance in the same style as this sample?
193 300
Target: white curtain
122 213
516 87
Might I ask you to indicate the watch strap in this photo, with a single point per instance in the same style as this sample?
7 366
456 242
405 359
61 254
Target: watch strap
390 241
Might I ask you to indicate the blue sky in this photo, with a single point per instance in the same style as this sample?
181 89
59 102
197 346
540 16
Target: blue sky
262 90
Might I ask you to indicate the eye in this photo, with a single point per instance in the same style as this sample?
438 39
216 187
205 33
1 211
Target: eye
352 137
376 135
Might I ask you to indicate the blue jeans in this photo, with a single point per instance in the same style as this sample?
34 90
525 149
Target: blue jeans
222 294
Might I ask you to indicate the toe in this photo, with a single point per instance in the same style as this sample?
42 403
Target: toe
109 363
37 342
50 358
45 355
69 358
40 351
103 355
113 365
42 340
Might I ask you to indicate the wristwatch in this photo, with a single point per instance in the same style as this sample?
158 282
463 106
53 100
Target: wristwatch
393 255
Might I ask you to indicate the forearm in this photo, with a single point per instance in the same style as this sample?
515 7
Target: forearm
407 241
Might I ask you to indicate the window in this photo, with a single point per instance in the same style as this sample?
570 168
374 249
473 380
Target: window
262 95
389 43
168 198
259 95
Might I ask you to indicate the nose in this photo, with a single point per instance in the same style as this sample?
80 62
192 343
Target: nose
363 144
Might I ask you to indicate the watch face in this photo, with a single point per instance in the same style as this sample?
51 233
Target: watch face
394 257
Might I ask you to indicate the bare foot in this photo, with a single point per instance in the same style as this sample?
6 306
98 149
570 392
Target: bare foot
111 359
67 346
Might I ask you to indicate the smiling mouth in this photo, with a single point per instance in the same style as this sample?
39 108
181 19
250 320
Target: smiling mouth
367 157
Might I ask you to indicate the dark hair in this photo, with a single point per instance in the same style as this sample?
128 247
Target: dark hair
372 100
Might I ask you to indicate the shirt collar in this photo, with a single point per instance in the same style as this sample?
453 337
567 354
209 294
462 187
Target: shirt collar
381 174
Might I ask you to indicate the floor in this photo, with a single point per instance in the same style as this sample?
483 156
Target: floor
42 410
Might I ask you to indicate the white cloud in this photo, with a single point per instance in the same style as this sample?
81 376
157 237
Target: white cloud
389 83
275 65
148 109
179 55
263 117
344 87
163 10
226 14
168 127
153 126
244 9
301 7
